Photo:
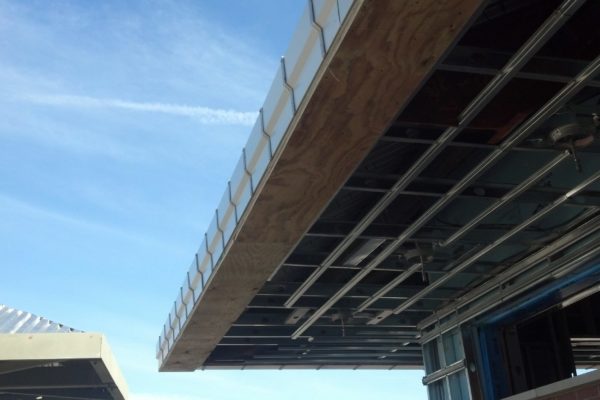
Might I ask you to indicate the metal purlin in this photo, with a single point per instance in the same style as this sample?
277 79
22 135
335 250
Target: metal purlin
402 277
588 228
471 260
587 254
531 46
389 286
516 191
483 98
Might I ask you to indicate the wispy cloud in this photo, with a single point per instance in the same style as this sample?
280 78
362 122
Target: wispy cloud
16 207
205 115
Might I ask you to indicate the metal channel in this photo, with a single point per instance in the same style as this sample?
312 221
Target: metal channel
470 145
520 267
471 260
402 277
518 60
536 76
587 253
522 131
519 189
533 44
389 286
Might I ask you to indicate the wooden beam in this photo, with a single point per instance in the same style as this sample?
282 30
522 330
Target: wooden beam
389 49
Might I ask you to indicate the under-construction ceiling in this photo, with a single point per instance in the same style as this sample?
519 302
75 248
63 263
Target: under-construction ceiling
495 158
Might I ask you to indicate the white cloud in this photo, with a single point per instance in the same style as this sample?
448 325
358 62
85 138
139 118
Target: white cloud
205 115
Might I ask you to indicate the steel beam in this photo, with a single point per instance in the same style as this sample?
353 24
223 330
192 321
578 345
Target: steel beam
392 285
513 194
362 291
437 187
588 253
340 330
423 309
547 252
318 341
437 266
536 217
428 234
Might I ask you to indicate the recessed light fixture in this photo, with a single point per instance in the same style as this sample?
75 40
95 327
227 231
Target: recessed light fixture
39 398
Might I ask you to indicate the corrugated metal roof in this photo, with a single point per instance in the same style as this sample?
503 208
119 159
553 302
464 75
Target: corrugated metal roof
17 321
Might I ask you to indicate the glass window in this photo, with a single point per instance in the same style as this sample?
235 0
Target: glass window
440 353
437 391
431 356
459 387
453 349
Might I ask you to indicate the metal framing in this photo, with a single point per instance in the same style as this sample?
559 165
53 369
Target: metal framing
481 100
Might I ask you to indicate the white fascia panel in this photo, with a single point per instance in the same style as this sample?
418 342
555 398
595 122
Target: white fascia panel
282 121
196 279
205 260
226 214
306 42
343 8
241 188
327 16
278 109
258 149
312 61
215 240
188 294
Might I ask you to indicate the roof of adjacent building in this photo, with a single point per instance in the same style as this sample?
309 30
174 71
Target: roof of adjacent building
17 321
40 358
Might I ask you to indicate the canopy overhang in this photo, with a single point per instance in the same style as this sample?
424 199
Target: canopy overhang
433 159
56 366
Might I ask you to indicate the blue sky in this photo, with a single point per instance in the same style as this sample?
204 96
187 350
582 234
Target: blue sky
120 123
